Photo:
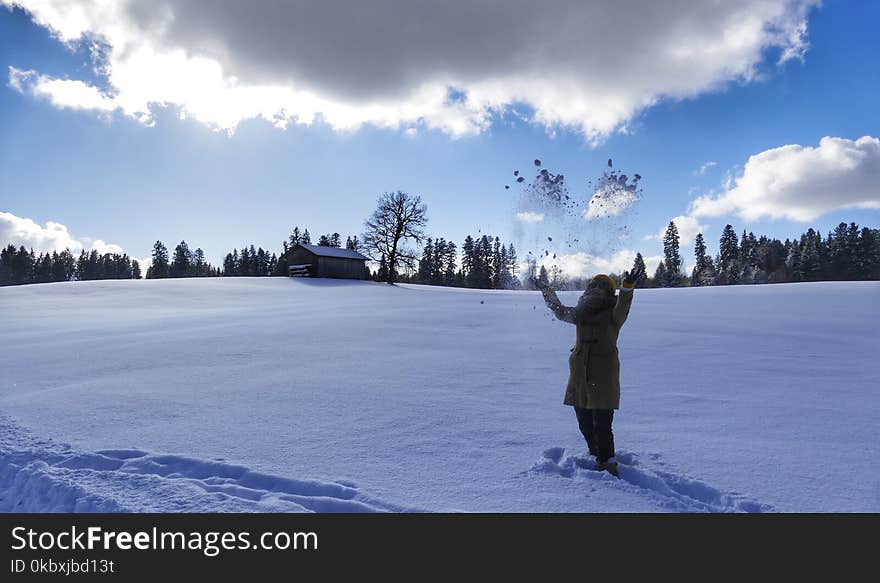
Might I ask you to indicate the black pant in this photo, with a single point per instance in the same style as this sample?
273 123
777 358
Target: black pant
595 424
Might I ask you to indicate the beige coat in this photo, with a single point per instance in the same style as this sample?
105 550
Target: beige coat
594 366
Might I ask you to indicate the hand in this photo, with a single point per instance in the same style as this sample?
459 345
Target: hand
632 277
539 284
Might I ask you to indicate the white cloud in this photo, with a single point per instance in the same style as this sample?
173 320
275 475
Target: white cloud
801 182
62 93
589 66
701 171
585 264
20 231
529 217
103 247
53 237
687 226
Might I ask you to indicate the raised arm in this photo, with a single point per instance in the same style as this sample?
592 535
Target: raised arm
624 301
564 313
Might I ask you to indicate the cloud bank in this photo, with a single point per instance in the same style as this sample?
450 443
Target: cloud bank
52 237
801 183
452 66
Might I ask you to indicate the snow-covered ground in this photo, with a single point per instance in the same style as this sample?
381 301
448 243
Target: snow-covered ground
257 394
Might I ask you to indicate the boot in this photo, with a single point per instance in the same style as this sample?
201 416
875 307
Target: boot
609 466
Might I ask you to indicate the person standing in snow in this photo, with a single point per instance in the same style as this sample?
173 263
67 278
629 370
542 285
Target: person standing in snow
594 368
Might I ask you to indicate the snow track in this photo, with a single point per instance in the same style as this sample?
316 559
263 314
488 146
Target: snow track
42 476
670 491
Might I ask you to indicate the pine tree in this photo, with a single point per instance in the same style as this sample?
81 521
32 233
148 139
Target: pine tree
306 239
699 261
512 267
868 254
426 262
793 262
660 275
503 269
181 264
811 261
467 259
729 256
295 237
449 262
199 266
159 267
672 256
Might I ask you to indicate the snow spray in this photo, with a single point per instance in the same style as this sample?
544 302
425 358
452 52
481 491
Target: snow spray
561 229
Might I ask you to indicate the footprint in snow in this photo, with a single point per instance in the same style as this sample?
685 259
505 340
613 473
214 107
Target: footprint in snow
676 492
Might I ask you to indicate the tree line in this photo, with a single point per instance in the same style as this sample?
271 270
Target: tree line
847 253
485 263
19 266
184 262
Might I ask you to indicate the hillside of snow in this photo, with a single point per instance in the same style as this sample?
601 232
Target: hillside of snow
272 394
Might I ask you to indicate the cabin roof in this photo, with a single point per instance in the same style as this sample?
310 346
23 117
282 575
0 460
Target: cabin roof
333 252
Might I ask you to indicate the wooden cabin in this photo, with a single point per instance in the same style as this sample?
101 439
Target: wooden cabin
318 261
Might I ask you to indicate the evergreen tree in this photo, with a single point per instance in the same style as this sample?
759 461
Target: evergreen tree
306 239
842 249
660 275
512 266
699 261
229 264
449 263
181 264
43 269
793 262
811 261
497 266
295 237
868 254
729 256
199 266
672 256
426 267
159 268
467 259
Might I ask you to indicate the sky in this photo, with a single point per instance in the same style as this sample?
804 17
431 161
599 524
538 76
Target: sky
226 124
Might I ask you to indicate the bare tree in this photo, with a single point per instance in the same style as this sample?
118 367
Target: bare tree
398 216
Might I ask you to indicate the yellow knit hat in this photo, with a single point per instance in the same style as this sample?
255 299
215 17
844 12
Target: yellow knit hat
610 281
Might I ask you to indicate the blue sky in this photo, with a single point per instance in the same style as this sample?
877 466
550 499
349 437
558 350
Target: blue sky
113 178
